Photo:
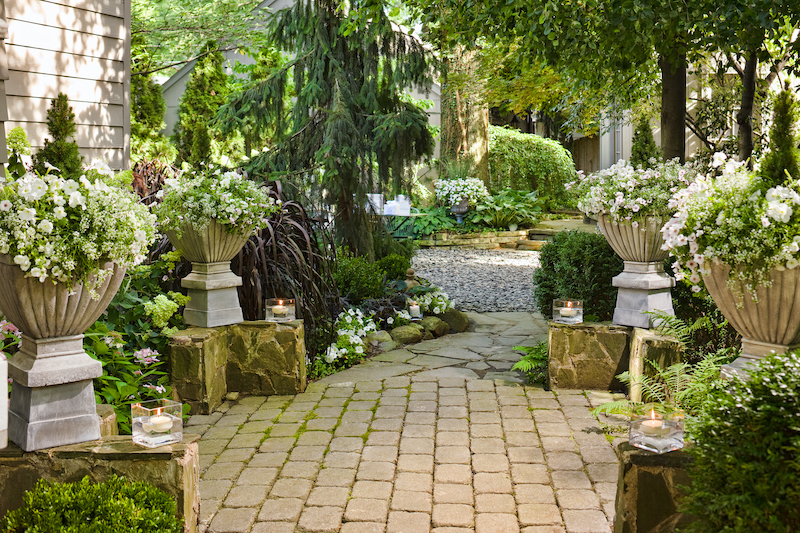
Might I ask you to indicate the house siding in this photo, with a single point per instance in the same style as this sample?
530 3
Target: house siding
80 48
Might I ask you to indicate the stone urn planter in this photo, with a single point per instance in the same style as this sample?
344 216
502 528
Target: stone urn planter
52 398
643 285
211 284
767 325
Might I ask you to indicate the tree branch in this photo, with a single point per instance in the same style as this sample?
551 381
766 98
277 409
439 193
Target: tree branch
146 72
690 123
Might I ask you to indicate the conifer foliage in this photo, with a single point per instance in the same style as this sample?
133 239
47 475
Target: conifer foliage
61 152
350 130
644 146
205 92
783 157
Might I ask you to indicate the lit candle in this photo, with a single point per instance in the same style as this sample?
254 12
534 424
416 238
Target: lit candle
413 310
568 311
158 423
652 426
280 309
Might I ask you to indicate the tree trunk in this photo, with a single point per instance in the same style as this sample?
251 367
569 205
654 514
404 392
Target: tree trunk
673 107
745 115
465 114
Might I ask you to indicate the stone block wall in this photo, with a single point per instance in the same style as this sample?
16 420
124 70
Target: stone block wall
648 490
259 358
174 469
588 355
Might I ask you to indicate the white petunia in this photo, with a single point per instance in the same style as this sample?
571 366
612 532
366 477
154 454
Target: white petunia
28 214
70 186
5 205
45 226
59 212
23 261
77 199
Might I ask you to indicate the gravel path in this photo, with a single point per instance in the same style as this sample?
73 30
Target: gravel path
481 280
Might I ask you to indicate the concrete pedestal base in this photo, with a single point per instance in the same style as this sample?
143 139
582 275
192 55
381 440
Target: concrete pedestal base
752 353
214 299
642 287
52 400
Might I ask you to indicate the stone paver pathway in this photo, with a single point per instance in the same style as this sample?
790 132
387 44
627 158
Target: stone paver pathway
413 443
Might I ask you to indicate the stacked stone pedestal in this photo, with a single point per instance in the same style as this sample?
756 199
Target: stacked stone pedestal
53 399
643 287
214 298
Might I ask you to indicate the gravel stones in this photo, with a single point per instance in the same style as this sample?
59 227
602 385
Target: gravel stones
481 280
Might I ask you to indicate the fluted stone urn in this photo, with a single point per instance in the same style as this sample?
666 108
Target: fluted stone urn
211 284
52 398
771 324
643 285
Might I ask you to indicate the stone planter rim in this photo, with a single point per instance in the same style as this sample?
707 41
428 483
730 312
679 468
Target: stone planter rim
212 244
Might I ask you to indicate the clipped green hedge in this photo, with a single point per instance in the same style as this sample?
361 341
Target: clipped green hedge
87 507
530 162
577 266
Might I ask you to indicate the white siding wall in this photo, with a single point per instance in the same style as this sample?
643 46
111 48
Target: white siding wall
80 48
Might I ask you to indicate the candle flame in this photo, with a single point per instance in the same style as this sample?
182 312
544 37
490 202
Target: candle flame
569 303
652 414
158 411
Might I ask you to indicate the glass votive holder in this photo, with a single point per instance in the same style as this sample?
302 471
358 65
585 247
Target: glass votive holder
157 422
657 432
568 311
279 310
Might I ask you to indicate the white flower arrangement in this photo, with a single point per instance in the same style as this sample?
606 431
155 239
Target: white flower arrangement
435 302
630 194
736 219
63 230
351 327
229 198
452 191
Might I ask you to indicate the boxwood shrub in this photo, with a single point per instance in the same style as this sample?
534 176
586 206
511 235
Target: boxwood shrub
578 266
530 162
88 507
746 470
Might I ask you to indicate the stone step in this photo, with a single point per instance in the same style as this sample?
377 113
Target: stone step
530 245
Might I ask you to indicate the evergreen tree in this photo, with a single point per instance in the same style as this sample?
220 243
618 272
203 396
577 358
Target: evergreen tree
783 156
350 132
205 92
60 151
147 110
644 146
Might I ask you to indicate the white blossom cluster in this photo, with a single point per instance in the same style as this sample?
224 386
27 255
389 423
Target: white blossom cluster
196 198
351 327
400 318
631 194
452 191
62 229
436 302
736 220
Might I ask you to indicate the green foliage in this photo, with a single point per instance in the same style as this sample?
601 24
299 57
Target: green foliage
433 219
205 92
783 159
531 163
385 243
643 146
128 377
394 266
350 68
60 151
580 266
534 362
18 146
357 278
89 507
746 469
458 168
508 209
147 110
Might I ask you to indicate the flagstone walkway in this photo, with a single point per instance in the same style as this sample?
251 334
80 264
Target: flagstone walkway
437 437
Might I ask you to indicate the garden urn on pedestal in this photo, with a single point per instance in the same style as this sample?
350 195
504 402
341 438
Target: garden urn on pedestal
214 300
52 398
768 323
643 285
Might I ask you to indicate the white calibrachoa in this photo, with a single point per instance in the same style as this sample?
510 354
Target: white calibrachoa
631 194
736 219
196 198
61 230
351 327
452 191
